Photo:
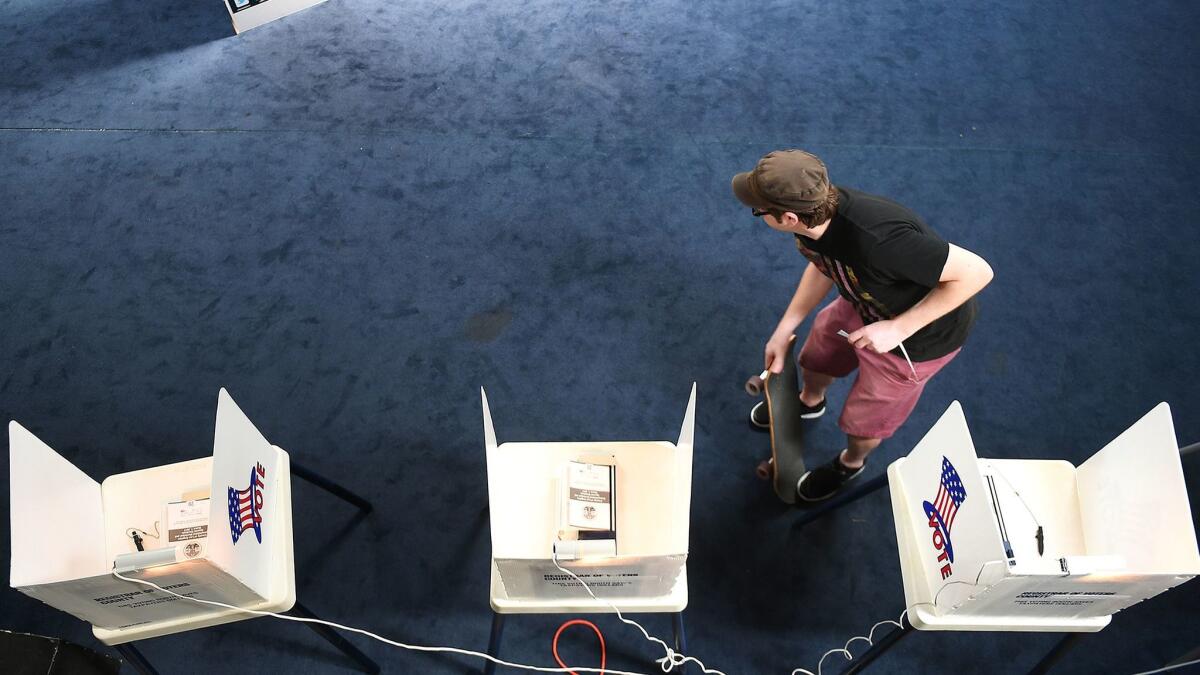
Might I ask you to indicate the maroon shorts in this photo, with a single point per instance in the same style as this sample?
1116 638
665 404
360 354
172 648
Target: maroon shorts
885 391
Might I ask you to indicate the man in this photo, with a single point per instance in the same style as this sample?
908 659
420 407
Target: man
905 299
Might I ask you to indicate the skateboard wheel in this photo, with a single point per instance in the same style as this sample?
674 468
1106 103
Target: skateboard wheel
754 385
764 470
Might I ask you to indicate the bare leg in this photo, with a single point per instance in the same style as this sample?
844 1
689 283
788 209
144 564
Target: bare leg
814 388
857 449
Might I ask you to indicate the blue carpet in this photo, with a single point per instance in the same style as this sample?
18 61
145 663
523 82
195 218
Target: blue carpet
355 217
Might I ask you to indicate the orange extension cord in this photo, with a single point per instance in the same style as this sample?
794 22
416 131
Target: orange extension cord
580 622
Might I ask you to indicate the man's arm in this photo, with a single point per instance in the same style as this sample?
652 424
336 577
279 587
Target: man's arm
964 275
812 288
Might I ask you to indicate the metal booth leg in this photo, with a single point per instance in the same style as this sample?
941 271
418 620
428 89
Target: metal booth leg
1064 645
494 642
1186 658
365 663
860 663
134 658
299 471
680 638
844 499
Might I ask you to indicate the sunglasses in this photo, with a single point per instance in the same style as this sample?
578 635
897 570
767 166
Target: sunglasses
757 213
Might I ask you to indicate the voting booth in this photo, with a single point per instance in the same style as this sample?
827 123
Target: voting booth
1040 545
247 14
218 528
645 567
635 561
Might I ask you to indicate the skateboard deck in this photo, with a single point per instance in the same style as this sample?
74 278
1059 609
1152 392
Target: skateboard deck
782 392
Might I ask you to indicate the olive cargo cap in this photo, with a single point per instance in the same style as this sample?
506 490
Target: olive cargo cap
784 180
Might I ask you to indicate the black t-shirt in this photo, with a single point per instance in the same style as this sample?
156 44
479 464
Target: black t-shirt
884 259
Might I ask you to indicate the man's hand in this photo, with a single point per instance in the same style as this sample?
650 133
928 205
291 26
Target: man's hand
879 337
776 351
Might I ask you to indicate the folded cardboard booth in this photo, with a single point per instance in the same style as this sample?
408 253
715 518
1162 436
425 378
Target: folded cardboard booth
68 533
1112 532
653 502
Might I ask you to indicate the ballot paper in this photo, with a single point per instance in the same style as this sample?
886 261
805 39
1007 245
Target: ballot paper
590 499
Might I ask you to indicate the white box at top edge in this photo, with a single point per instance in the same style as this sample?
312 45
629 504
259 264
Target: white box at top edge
265 12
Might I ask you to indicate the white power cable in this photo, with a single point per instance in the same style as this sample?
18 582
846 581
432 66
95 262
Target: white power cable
845 649
672 658
1170 667
415 648
870 636
870 639
667 663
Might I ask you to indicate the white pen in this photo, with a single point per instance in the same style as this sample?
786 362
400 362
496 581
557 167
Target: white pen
902 351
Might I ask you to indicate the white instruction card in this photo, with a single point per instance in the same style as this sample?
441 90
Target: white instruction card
187 526
590 498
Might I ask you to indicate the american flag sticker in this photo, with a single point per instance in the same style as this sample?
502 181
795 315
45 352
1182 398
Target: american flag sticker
950 494
942 511
245 506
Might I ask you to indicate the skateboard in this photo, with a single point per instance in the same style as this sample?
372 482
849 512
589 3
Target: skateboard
786 464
